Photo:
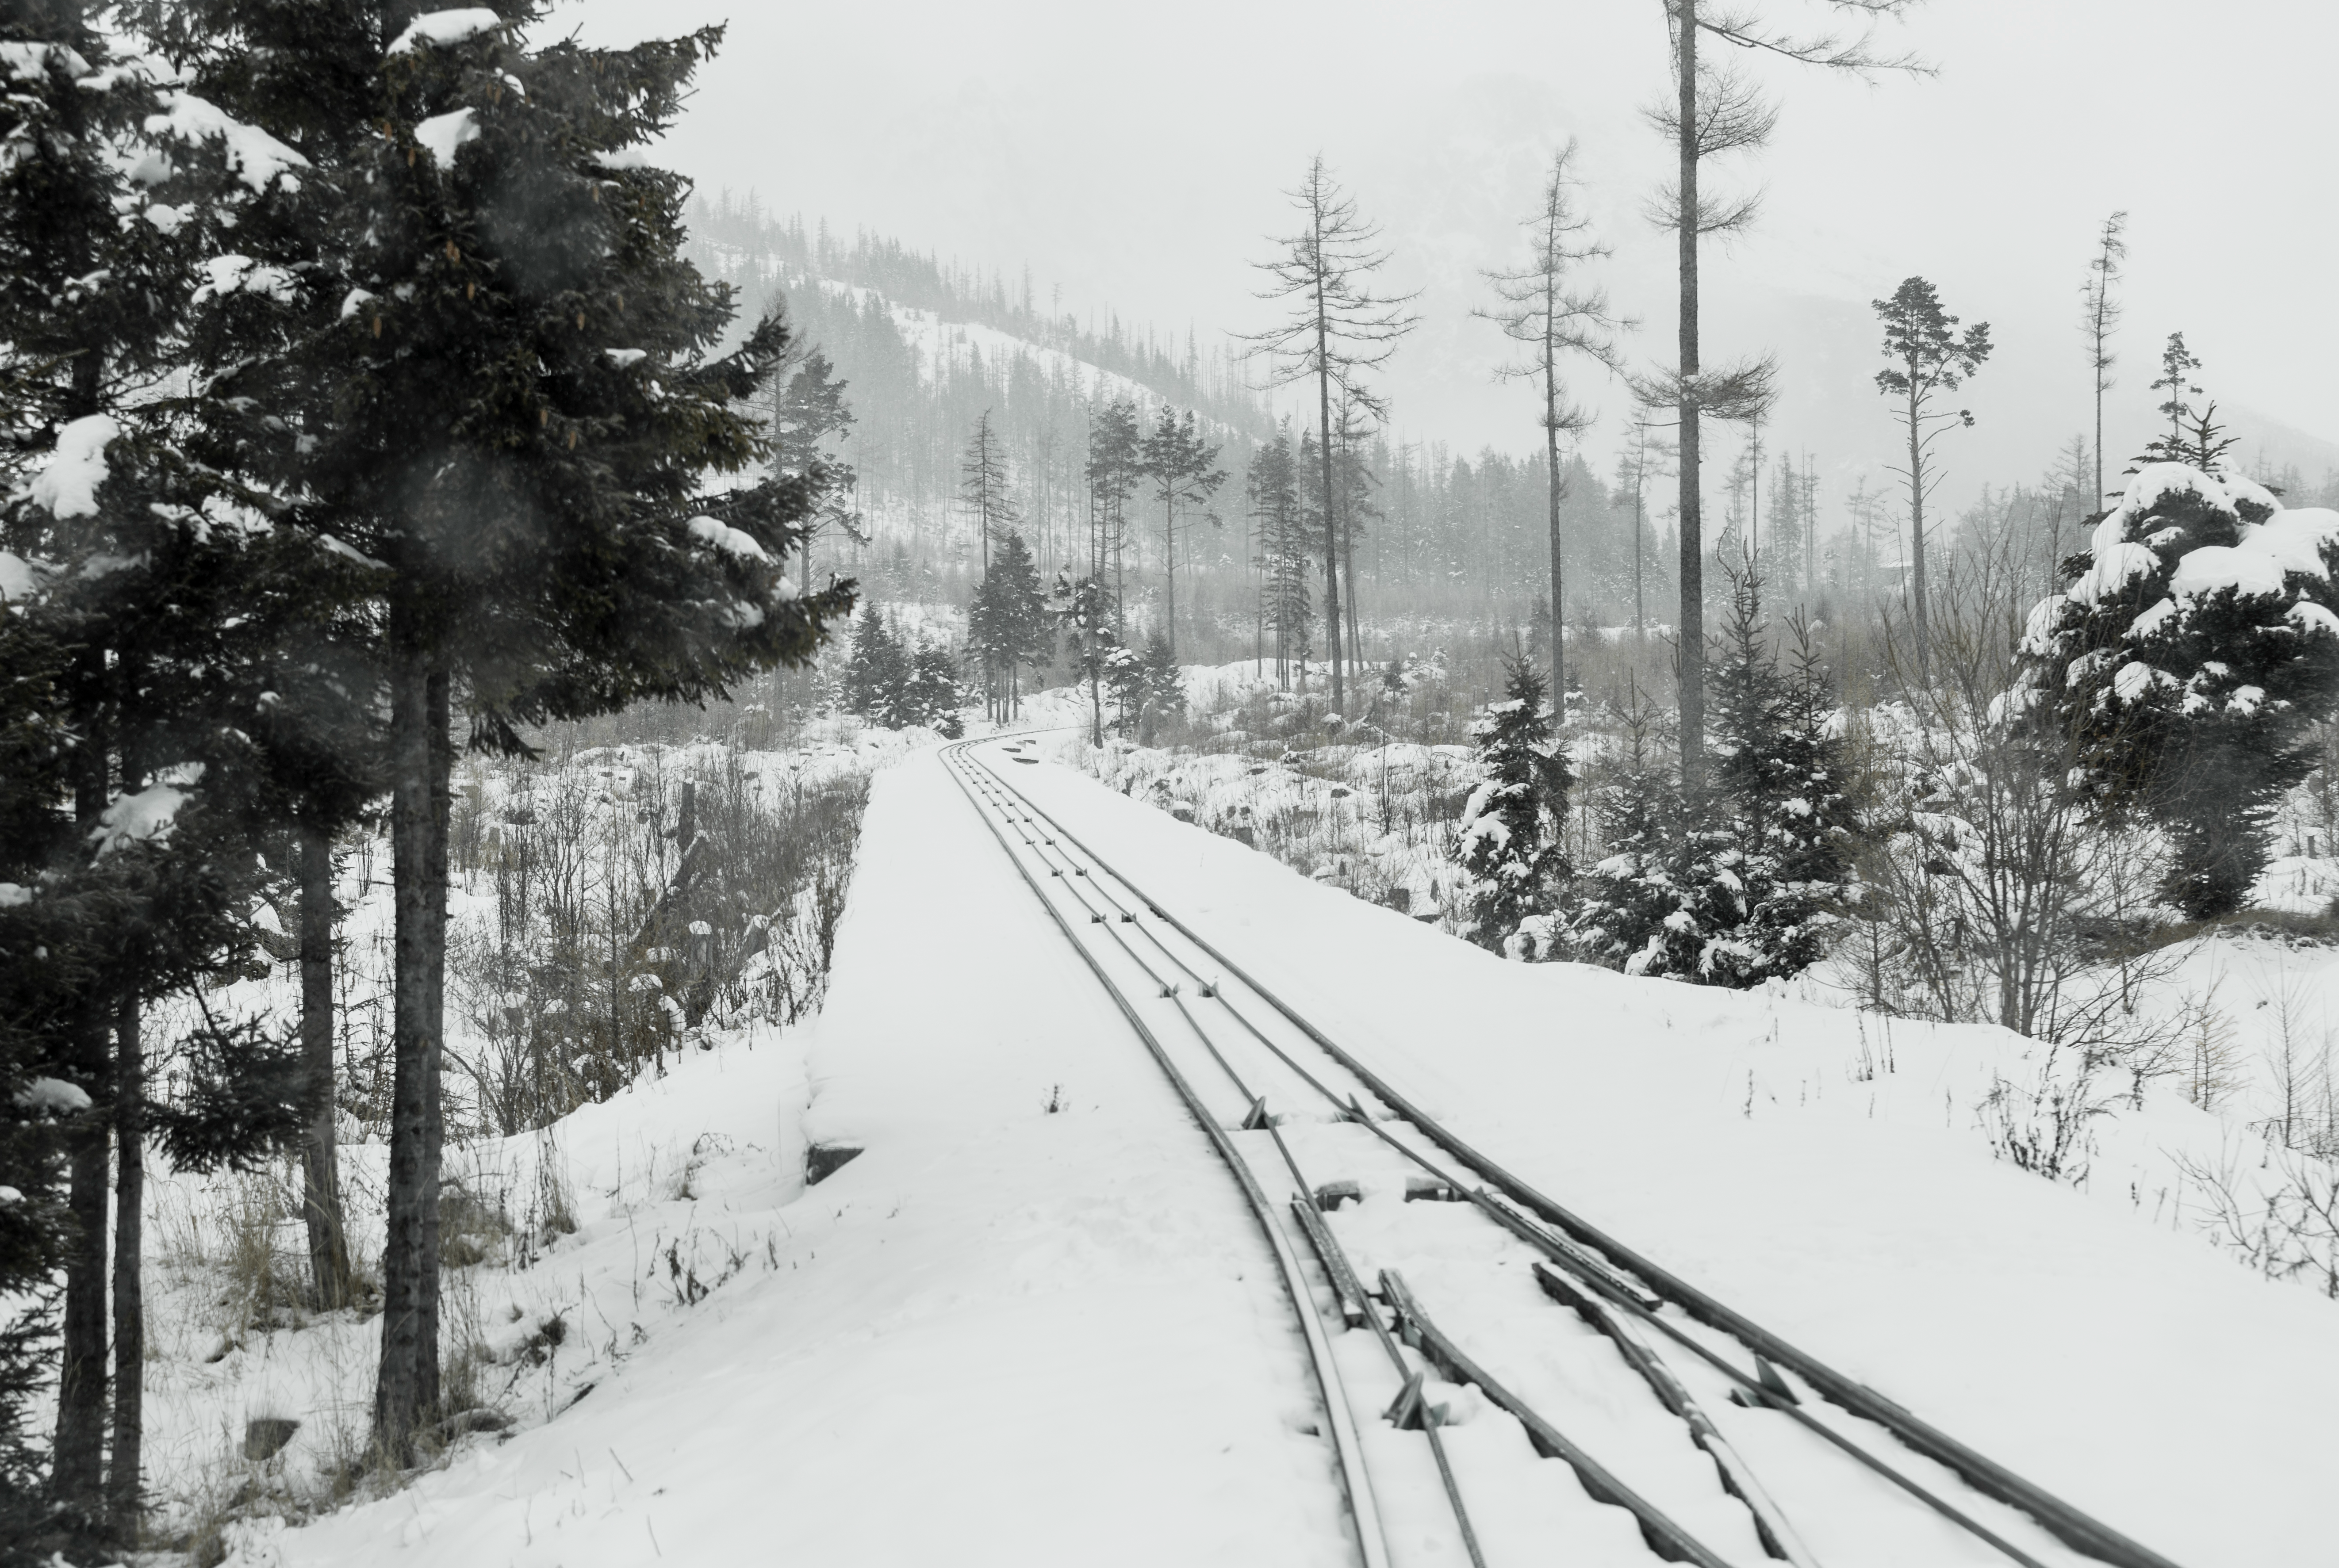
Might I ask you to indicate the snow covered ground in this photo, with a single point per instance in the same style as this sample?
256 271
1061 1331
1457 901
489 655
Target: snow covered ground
1030 1324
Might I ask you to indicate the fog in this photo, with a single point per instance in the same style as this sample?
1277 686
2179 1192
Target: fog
1134 160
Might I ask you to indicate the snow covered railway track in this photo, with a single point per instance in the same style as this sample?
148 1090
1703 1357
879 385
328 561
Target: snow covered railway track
1308 1118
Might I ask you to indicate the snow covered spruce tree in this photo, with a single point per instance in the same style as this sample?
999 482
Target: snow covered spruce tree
933 694
1778 774
484 364
39 997
1008 623
1089 613
1622 905
2194 649
145 608
1507 841
876 669
1741 883
1149 687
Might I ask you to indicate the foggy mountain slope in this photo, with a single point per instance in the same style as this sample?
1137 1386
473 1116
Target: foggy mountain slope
925 350
966 332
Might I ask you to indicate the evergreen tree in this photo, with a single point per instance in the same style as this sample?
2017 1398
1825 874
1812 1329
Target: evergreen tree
1184 472
1929 359
1273 488
931 694
1007 621
810 416
45 971
811 413
1619 916
1116 462
2195 438
2176 367
1159 688
1508 840
481 362
1743 882
982 485
138 583
1544 308
2192 652
1089 615
1338 329
1779 775
876 670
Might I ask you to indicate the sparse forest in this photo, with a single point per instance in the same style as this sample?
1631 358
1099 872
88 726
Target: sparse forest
460 583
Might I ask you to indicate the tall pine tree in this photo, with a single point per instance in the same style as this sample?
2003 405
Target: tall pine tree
487 368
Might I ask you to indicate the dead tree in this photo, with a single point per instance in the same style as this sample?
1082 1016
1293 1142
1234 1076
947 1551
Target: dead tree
1543 307
2100 317
1714 112
1338 329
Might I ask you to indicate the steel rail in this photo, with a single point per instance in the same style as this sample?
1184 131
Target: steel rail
1664 1536
1363 1510
2073 1526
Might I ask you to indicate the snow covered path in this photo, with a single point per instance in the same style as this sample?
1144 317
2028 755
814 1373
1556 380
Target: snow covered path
1004 1333
1017 1334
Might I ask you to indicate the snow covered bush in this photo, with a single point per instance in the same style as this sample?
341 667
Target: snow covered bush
1508 840
2192 652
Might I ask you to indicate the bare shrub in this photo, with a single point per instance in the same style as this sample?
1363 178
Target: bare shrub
1995 888
635 895
2281 1218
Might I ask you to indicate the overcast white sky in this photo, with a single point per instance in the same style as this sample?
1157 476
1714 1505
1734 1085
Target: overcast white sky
1135 157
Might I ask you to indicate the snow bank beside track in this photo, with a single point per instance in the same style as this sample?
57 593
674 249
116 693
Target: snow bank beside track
1823 1172
1031 1323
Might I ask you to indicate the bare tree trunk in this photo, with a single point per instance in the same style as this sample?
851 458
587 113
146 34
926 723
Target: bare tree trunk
434 865
1917 534
1690 637
1348 570
320 1205
77 1470
129 1292
1170 572
1640 612
1324 451
398 1396
1558 572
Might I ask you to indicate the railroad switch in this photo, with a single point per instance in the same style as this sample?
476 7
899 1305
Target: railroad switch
1096 920
1127 917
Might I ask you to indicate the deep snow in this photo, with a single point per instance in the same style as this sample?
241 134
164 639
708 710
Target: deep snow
1012 1332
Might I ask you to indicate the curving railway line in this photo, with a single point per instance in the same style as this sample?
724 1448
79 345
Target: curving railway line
1455 1318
